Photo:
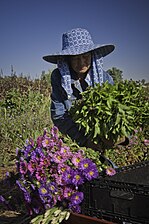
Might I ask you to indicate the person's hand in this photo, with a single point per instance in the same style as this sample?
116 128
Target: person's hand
107 143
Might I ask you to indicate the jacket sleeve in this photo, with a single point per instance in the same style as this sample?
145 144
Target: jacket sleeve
59 111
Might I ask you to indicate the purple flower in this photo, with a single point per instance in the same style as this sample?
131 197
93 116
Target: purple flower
62 168
32 165
77 198
58 158
39 152
20 186
27 196
65 152
47 200
33 186
47 142
27 150
25 192
51 173
39 141
40 174
91 173
17 151
74 208
85 164
31 141
77 178
23 167
54 132
60 196
52 186
44 162
146 142
43 191
67 192
110 171
57 178
60 143
67 176
8 174
76 159
2 199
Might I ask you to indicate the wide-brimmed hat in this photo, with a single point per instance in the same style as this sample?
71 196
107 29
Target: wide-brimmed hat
78 41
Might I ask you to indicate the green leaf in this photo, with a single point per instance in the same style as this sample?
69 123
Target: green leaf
67 215
109 103
118 119
123 129
87 129
96 130
37 219
108 112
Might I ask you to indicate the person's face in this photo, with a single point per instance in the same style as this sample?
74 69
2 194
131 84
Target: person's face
81 63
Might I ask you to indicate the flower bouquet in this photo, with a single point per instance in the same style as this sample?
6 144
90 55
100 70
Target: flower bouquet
51 174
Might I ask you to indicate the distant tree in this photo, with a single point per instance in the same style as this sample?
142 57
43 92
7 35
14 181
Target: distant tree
1 73
46 76
116 74
13 73
143 81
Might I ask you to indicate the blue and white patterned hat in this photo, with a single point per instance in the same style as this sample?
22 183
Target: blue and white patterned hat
78 41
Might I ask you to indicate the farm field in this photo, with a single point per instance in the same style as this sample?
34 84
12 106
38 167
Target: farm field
24 114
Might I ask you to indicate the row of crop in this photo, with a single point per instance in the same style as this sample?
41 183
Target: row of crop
24 113
24 84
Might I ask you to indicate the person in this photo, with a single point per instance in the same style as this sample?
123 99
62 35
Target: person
79 65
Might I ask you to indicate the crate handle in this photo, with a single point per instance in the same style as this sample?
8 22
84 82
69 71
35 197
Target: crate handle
122 194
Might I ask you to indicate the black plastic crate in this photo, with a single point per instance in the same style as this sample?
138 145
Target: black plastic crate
122 198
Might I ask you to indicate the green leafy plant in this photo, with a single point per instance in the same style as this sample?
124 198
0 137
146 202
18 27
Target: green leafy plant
111 111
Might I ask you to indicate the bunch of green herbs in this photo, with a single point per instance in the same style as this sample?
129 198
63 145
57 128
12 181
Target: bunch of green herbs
112 111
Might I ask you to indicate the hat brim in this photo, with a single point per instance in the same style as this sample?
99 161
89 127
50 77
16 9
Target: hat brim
103 50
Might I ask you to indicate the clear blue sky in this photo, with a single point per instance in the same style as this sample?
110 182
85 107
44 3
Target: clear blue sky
30 29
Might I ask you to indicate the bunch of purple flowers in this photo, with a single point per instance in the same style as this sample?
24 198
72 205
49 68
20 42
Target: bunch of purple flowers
51 173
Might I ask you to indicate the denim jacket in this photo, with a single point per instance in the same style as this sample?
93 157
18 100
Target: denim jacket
60 105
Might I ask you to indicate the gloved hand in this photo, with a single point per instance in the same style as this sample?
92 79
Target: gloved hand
94 146
107 143
101 146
